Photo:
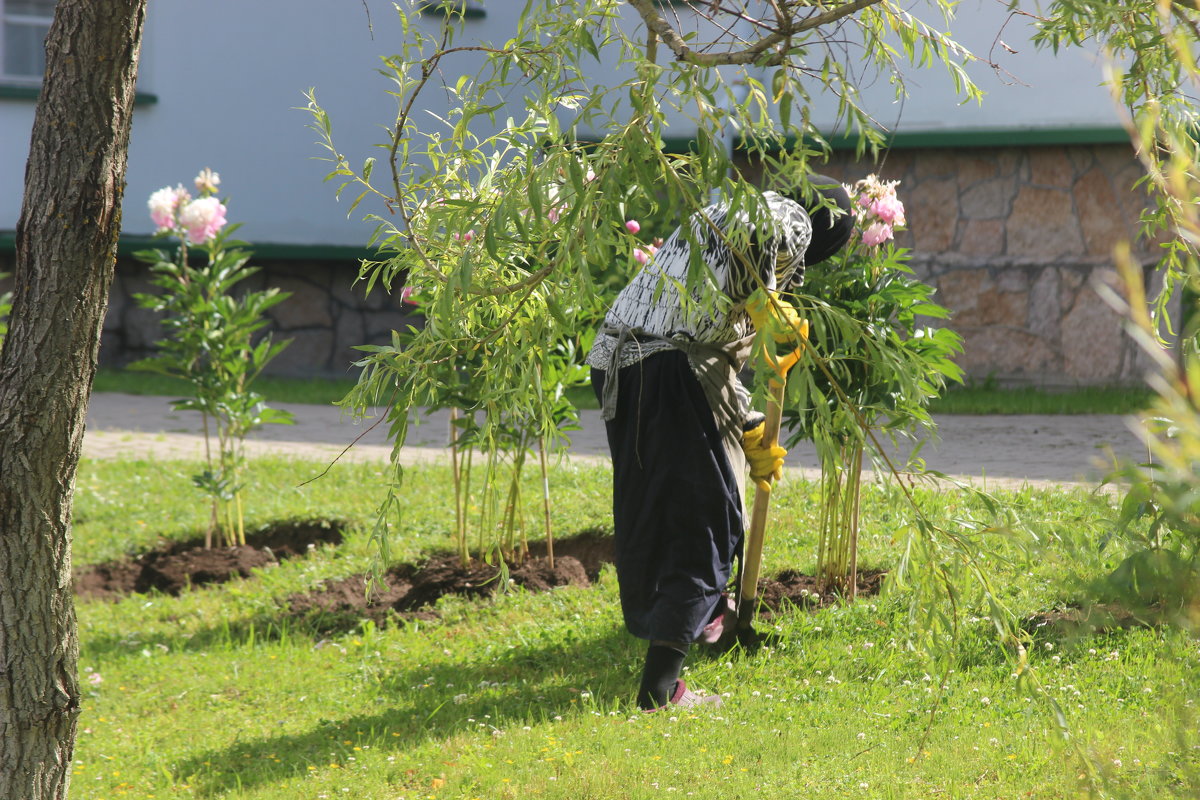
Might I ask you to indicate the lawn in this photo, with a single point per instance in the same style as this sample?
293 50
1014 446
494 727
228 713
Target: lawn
221 693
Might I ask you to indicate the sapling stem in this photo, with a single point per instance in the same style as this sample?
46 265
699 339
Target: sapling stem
546 501
460 533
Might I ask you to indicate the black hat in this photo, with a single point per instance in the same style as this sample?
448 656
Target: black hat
831 229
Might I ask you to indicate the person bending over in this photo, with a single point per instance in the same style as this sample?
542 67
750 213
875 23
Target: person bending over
679 424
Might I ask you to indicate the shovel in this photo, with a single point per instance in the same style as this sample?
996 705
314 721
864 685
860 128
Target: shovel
752 558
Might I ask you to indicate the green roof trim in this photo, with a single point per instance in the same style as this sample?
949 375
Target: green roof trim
18 91
267 251
984 137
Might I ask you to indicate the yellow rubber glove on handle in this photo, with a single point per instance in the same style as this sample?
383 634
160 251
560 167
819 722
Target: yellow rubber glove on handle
776 315
766 462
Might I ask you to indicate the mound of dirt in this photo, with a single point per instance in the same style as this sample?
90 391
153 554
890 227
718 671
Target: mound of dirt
791 588
408 591
177 566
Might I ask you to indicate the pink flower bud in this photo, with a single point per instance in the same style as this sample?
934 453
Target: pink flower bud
633 226
406 295
207 181
641 256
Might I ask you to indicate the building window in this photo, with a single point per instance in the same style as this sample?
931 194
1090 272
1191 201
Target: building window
23 45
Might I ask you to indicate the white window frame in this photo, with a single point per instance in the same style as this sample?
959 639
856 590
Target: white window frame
6 19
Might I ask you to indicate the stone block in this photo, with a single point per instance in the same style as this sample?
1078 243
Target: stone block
1092 340
1082 158
307 307
989 199
1070 280
934 164
1049 166
1045 304
1100 216
308 353
349 294
378 325
982 238
976 298
349 332
898 165
1043 224
960 289
973 168
1012 279
1010 161
932 211
1002 352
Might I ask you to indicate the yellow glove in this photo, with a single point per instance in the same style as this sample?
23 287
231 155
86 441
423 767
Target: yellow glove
779 317
766 462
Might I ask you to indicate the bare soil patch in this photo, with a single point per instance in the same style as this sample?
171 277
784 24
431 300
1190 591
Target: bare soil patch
409 591
177 566
795 589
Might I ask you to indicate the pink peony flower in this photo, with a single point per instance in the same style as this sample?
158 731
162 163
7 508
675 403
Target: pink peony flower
633 226
202 218
889 209
876 234
163 205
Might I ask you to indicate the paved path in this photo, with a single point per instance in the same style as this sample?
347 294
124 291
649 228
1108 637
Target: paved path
1001 451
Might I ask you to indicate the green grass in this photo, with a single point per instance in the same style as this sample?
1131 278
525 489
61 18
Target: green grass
217 694
982 399
1091 400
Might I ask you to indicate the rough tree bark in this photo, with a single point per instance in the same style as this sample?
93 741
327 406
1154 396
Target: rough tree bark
66 249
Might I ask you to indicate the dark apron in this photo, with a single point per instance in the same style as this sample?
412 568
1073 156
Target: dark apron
678 466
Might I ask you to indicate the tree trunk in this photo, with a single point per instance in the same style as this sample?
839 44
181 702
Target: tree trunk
66 249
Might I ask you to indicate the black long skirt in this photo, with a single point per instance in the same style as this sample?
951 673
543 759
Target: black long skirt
677 506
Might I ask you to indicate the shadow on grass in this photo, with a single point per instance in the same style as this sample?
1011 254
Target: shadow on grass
526 685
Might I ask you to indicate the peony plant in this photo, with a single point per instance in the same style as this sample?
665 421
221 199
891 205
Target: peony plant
210 338
873 366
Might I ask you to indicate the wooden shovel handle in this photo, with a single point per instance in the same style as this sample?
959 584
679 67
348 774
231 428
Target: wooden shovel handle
752 556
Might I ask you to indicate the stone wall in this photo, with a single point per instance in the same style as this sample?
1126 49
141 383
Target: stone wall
326 317
1015 241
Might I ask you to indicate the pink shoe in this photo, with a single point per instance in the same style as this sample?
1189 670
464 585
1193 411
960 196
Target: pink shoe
684 698
725 617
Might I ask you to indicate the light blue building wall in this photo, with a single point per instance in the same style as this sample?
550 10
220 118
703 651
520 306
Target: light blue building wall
222 83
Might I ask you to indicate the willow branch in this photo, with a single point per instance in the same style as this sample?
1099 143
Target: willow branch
754 54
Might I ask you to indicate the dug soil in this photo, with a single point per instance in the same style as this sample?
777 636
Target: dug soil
409 591
176 566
